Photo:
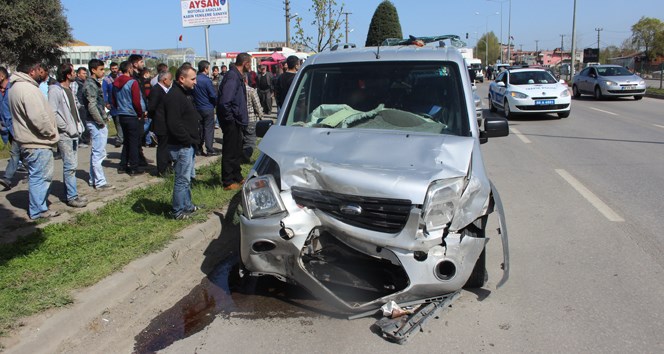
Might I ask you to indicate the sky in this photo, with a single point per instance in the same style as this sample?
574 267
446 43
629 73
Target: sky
157 24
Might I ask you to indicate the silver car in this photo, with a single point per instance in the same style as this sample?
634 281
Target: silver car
608 81
371 185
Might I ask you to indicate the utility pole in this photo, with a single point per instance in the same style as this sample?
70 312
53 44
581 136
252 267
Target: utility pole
537 51
509 34
562 36
347 13
288 18
572 67
598 29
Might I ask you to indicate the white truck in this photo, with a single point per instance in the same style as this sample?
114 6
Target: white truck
476 65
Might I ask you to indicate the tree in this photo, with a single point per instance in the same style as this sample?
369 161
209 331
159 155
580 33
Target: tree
645 34
493 53
609 52
326 21
32 30
384 24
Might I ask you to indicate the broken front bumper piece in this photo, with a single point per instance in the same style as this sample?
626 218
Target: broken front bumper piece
354 268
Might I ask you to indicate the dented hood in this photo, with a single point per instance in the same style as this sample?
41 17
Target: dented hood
388 164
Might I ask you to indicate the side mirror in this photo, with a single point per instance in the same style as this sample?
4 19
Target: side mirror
494 127
262 126
500 84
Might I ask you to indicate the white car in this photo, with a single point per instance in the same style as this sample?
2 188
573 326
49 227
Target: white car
527 91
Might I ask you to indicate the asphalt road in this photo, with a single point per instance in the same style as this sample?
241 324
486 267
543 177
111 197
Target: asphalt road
583 198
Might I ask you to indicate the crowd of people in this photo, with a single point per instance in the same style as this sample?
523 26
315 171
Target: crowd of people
42 119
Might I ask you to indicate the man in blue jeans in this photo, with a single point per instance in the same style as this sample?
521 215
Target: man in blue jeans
183 137
36 133
7 131
95 120
70 127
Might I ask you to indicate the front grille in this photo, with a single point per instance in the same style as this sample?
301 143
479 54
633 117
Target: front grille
545 98
627 91
545 107
378 214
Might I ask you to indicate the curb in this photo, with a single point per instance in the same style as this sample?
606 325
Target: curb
58 325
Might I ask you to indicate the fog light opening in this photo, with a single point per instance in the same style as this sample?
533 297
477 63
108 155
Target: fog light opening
262 246
445 270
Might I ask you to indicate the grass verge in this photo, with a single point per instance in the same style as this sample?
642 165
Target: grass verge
40 271
655 91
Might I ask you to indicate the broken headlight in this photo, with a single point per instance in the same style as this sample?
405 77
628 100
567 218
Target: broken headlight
441 202
261 197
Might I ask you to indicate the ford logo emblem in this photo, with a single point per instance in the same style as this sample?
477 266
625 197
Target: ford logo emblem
351 209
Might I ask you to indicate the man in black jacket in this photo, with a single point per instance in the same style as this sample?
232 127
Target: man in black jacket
233 116
156 111
183 137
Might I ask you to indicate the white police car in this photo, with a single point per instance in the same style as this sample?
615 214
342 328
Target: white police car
527 91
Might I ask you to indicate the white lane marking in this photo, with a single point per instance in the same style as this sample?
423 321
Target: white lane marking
520 136
603 111
660 126
590 196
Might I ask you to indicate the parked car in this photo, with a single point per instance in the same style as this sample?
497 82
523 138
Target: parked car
528 91
371 185
608 81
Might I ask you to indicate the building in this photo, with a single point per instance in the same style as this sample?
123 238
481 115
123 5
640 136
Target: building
79 53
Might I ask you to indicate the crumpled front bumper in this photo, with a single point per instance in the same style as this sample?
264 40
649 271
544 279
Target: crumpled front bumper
427 267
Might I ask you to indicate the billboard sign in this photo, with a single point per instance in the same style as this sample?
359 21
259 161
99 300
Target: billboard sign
204 12
591 55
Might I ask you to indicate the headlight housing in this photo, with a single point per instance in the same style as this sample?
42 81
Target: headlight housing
610 83
642 82
441 202
516 94
261 197
565 93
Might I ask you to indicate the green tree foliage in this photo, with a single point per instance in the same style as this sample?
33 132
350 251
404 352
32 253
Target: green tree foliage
493 54
32 30
609 52
326 22
384 24
647 35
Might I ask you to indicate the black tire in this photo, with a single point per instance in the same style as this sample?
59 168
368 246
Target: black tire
598 93
564 114
575 92
492 108
506 109
638 97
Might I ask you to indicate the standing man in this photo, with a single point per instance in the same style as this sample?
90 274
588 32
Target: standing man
233 114
265 89
130 107
255 112
36 134
7 131
95 120
183 137
156 111
107 87
77 89
161 67
205 98
70 128
286 79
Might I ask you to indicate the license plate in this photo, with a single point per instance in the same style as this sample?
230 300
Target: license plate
544 102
